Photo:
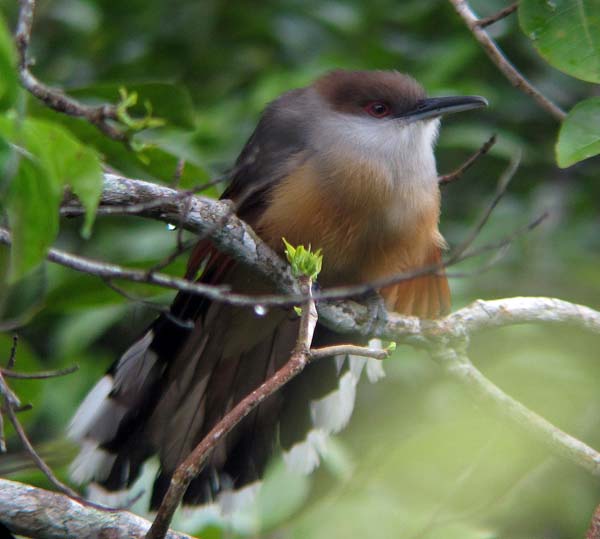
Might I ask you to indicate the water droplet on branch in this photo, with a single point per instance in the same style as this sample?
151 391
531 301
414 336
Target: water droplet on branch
260 310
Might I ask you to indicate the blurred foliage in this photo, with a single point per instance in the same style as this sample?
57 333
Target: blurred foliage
578 138
420 459
563 33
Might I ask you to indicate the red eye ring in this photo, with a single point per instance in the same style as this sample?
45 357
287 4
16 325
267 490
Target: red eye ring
378 109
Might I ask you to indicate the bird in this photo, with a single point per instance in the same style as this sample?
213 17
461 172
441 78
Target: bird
345 164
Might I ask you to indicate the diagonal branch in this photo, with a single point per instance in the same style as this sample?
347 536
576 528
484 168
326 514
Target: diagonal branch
456 363
100 116
497 56
594 529
504 12
445 179
194 462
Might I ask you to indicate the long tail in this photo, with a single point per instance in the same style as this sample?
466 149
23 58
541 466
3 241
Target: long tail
173 385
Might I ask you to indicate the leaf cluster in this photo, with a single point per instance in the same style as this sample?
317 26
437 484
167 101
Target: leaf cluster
303 260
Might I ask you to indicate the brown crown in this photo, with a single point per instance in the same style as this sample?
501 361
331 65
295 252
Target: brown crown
350 91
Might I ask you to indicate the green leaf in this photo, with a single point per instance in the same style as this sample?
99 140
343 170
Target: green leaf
579 136
164 148
303 260
129 101
49 159
33 201
9 86
170 102
84 174
565 33
70 163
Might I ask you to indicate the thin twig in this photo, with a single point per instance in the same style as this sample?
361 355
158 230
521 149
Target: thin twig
10 399
178 172
13 352
458 173
594 529
171 257
2 435
38 461
150 305
503 182
194 462
348 349
100 116
40 375
505 12
111 271
11 402
18 409
496 55
44 468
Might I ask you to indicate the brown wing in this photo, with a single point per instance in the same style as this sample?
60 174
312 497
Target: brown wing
193 365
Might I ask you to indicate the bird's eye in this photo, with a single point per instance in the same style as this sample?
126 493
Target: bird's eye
378 109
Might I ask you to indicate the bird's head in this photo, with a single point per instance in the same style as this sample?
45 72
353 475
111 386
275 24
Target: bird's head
381 115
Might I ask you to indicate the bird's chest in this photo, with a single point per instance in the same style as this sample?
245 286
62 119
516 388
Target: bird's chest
360 220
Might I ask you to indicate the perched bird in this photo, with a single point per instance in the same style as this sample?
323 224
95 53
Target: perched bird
346 165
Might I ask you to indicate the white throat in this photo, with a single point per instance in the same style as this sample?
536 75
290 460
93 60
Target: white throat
405 148
400 153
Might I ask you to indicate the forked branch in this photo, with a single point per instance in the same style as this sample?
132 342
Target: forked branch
477 28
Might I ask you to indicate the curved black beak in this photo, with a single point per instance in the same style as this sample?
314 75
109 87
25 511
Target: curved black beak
437 106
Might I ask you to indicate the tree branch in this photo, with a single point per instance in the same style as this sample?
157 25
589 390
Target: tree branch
497 56
100 116
193 463
456 363
505 12
35 512
106 270
201 215
348 350
594 529
484 315
445 179
38 375
214 219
